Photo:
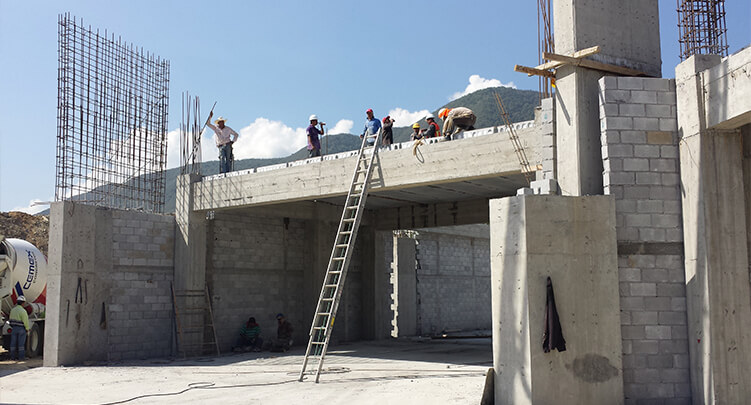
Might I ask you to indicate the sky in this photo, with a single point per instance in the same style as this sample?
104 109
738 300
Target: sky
270 65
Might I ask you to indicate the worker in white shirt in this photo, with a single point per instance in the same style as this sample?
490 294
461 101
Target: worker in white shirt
225 137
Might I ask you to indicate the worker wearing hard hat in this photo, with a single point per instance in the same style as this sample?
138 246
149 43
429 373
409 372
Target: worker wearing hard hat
372 126
19 321
456 120
416 132
225 137
433 129
314 142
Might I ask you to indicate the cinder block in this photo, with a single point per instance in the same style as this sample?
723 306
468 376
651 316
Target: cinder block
652 235
678 303
668 124
634 332
660 390
646 151
656 84
672 318
608 110
666 98
645 96
635 361
648 206
675 346
618 96
659 111
669 152
638 137
664 193
657 303
638 220
630 83
644 318
637 192
671 179
646 124
632 110
666 220
630 275
657 332
660 361
619 178
655 276
617 123
643 289
636 165
671 290
647 179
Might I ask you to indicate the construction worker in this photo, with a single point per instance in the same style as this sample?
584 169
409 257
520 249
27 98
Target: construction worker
416 132
314 143
372 125
388 131
250 337
19 321
283 334
225 137
433 129
456 120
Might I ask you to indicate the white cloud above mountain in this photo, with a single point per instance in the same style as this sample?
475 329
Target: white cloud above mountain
477 82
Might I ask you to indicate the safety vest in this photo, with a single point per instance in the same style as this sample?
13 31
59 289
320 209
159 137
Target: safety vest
437 129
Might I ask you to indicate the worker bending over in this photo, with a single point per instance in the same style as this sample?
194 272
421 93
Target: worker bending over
456 120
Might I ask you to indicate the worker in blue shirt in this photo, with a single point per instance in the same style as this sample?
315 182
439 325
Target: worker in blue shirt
372 125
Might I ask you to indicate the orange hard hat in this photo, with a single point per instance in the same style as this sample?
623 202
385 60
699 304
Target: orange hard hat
444 112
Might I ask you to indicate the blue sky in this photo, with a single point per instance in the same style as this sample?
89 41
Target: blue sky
269 65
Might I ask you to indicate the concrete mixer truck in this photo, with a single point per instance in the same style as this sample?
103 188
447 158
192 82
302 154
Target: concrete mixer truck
23 271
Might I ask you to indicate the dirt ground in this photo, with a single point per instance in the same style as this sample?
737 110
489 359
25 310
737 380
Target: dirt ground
32 228
389 372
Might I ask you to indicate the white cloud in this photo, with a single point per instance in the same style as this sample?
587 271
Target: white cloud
265 138
341 127
35 206
476 82
403 118
173 148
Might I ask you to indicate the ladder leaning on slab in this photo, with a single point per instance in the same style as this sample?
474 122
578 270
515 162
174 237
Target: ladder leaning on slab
333 282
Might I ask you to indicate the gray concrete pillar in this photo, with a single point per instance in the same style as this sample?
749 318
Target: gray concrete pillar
80 256
573 241
715 228
405 287
629 35
190 238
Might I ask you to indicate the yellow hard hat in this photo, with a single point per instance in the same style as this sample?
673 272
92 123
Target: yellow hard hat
415 125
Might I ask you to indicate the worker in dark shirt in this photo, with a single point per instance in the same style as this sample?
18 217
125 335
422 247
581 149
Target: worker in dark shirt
283 335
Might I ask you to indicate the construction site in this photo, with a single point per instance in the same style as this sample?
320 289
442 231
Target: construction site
628 195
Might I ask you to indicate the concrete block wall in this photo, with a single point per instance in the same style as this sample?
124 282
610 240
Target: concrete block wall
140 319
453 282
639 138
256 267
109 285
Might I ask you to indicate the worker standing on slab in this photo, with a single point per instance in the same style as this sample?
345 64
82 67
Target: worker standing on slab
225 137
19 321
433 129
456 120
388 131
416 132
314 142
372 126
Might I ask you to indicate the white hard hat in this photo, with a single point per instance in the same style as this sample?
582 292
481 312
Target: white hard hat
313 117
429 116
21 298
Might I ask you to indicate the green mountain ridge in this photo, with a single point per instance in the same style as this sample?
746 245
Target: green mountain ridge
520 105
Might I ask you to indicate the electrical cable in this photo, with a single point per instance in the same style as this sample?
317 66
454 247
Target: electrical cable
203 385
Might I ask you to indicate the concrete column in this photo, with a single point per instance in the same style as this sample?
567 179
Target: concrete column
80 257
405 287
629 35
716 248
573 241
190 238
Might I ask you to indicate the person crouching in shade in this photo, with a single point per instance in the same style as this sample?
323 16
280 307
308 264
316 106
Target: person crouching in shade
250 337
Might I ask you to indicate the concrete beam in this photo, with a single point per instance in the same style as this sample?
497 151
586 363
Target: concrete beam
432 215
727 91
478 157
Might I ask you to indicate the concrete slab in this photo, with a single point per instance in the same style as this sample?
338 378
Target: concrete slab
394 372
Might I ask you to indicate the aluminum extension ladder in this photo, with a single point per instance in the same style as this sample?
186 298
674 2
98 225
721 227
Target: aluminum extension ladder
333 282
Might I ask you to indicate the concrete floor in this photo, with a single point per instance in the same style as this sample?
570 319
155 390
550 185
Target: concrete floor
388 372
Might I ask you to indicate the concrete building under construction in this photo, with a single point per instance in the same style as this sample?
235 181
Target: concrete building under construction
639 214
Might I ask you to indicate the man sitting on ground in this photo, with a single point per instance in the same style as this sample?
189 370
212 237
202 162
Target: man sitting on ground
250 337
283 335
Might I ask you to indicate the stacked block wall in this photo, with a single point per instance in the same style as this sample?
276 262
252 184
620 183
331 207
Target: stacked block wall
140 302
639 139
453 282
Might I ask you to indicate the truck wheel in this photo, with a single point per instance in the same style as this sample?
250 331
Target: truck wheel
34 341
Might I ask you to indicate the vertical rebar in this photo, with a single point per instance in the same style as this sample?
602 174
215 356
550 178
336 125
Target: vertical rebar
701 28
113 101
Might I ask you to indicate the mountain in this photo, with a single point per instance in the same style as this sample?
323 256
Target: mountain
520 105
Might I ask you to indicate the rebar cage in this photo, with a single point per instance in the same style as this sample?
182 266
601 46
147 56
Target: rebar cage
113 101
701 28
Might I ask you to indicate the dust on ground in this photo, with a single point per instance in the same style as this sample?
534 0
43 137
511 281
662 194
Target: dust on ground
32 228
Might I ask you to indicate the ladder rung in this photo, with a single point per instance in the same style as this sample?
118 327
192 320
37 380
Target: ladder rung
352 207
330 285
348 220
338 259
342 245
335 272
317 343
319 328
327 299
323 313
345 233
